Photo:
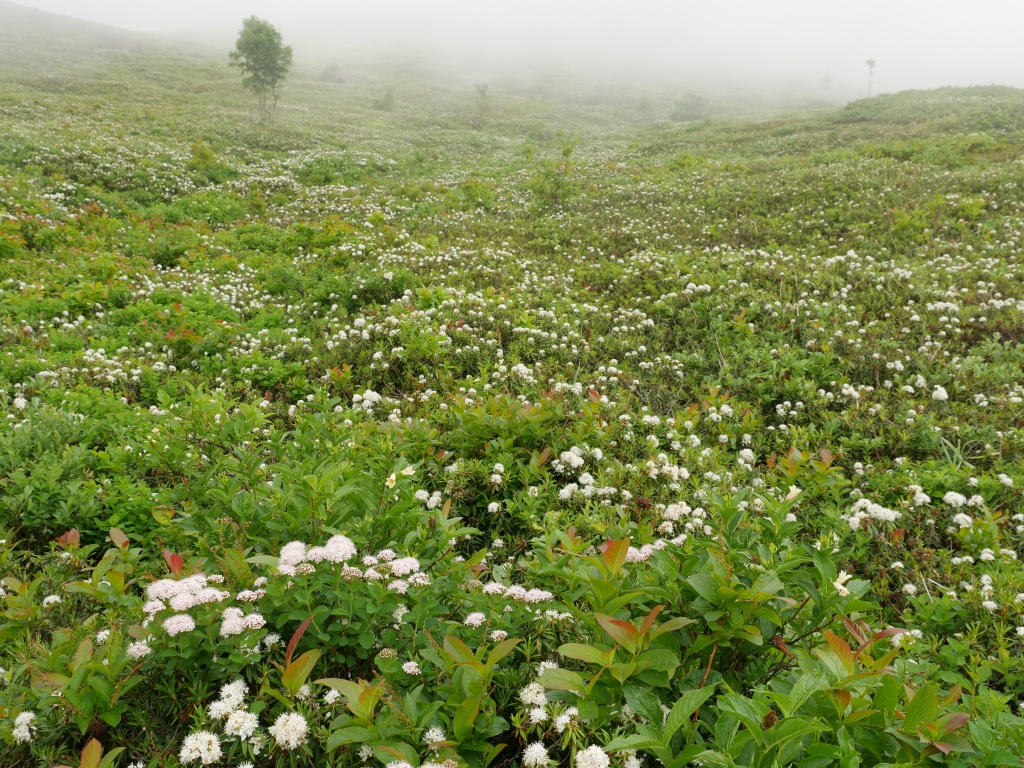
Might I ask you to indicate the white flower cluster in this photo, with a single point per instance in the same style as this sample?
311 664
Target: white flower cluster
865 509
518 593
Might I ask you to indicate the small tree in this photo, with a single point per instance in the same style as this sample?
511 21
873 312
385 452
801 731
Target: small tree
264 60
871 74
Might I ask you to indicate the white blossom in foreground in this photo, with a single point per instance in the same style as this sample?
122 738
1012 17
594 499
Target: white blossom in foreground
592 757
289 730
202 746
535 755
23 727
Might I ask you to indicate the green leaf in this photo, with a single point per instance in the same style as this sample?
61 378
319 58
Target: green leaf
465 717
562 680
922 708
789 729
501 650
684 708
111 717
805 687
750 713
263 560
351 735
587 653
643 702
706 585
110 757
632 742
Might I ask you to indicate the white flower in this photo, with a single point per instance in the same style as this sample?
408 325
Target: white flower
289 730
412 668
535 755
139 650
498 635
839 582
954 499
202 746
909 589
23 727
592 757
538 715
20 403
433 735
534 695
179 623
241 723
51 600
940 394
475 619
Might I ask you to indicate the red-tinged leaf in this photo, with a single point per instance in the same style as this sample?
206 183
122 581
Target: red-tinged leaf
71 538
622 632
458 650
83 654
294 642
842 697
859 630
649 619
92 754
296 672
614 554
174 562
594 395
826 456
120 540
881 635
952 722
841 649
771 461
942 747
51 681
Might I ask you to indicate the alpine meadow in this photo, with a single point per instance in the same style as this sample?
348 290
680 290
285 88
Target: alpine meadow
378 416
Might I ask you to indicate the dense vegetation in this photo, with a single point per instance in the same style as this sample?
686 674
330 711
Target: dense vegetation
547 434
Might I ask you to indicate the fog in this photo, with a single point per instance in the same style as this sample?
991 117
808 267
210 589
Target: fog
807 46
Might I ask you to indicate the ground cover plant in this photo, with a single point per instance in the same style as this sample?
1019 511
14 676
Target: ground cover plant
540 434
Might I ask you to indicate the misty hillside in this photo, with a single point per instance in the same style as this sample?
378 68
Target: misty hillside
429 418
34 38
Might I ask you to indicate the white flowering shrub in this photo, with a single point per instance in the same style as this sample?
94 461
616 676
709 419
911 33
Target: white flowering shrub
649 446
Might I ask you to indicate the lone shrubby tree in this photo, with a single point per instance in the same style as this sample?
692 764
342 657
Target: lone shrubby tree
264 60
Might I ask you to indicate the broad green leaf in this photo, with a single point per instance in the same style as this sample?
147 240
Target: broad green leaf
923 708
706 585
465 717
587 653
632 742
789 729
562 680
684 708
750 713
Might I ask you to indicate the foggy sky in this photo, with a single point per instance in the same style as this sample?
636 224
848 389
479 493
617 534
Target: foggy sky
916 43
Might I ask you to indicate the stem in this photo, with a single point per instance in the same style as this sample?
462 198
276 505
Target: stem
707 671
